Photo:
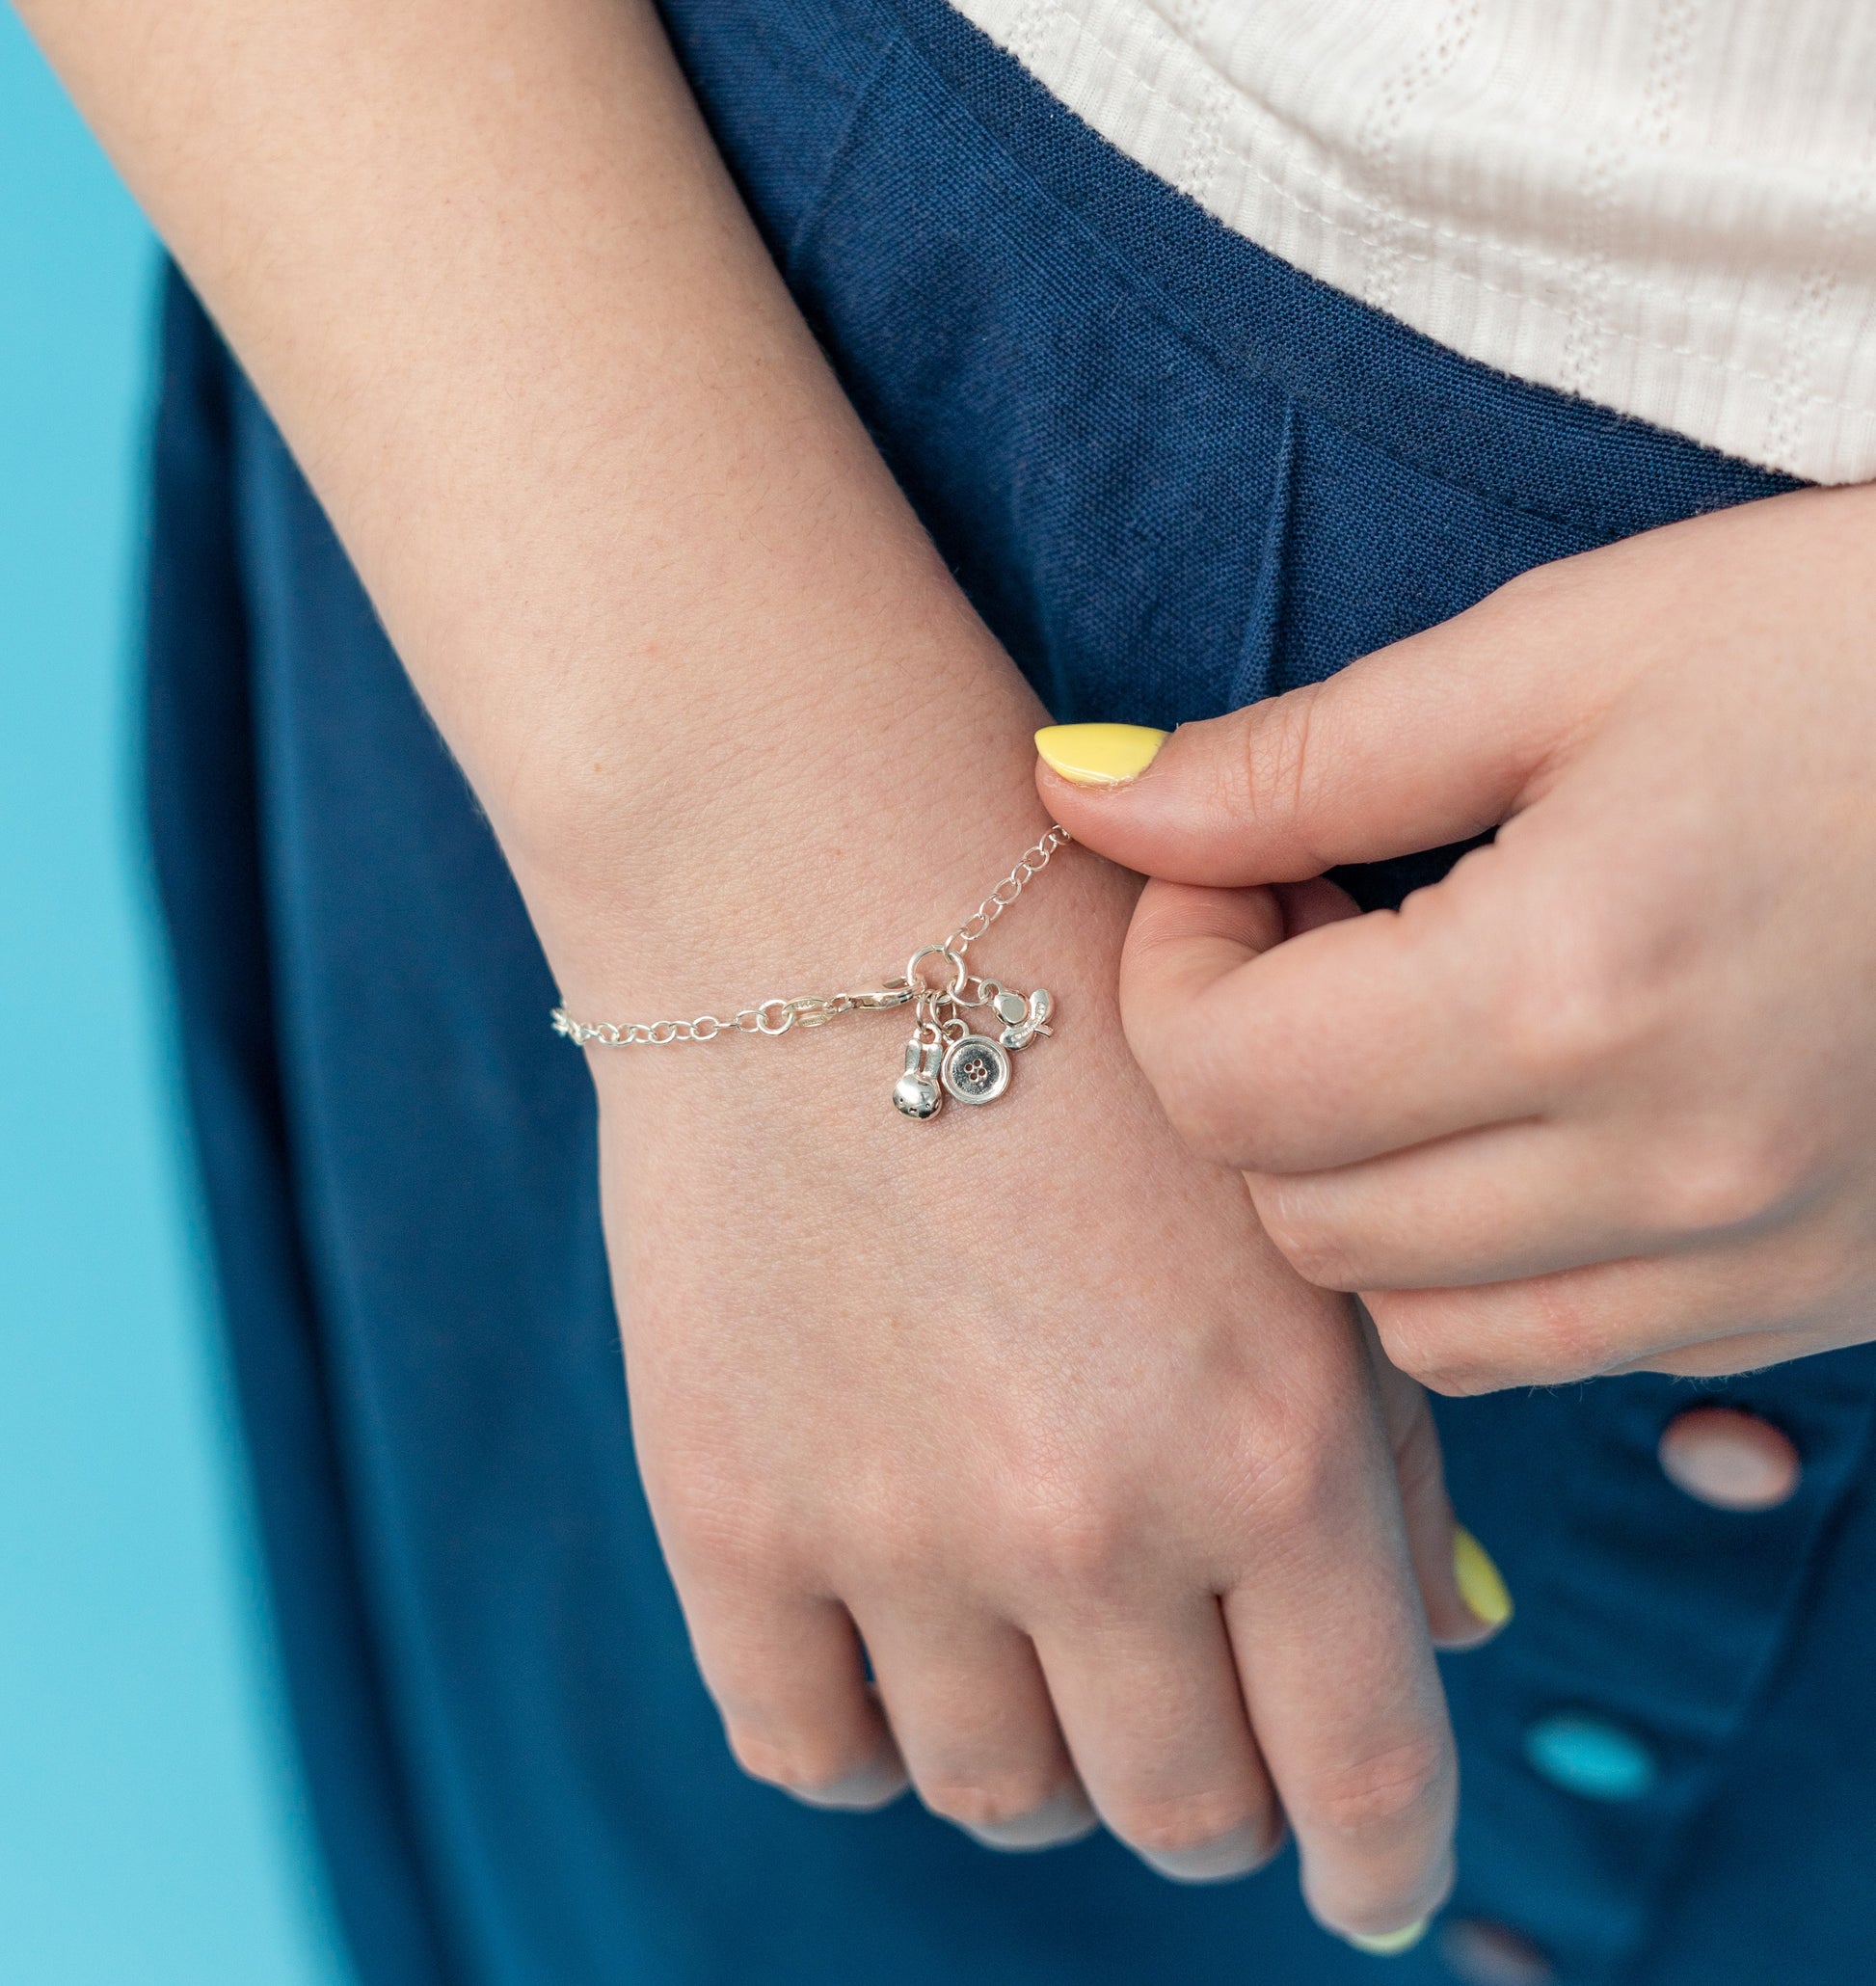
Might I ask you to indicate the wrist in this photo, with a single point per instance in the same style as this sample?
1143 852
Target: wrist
814 870
873 956
702 1121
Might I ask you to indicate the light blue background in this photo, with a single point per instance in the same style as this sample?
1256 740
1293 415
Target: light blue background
151 1828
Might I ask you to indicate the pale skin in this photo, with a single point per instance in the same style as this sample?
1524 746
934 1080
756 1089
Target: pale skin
1604 1100
1126 1513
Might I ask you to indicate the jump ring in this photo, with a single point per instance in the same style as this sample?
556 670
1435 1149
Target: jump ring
960 971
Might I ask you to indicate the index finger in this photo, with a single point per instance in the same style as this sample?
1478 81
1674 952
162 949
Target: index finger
1358 1038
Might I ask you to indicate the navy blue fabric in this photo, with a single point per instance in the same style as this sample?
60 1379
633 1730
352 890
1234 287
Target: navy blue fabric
1174 475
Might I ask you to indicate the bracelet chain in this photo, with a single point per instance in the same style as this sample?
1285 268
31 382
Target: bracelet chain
777 1015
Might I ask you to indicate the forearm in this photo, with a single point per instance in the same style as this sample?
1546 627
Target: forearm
637 552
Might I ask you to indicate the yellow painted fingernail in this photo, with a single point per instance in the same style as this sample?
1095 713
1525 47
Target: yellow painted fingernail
1099 754
1390 1944
1482 1586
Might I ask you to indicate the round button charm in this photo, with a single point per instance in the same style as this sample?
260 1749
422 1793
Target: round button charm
975 1070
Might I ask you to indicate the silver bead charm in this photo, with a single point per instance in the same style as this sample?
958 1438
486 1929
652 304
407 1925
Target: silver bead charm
946 1056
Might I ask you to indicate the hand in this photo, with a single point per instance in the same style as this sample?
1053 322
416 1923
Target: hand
1024 1398
1028 1398
1605 1099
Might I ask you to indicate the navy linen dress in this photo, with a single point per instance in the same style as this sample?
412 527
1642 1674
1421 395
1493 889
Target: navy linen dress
1174 476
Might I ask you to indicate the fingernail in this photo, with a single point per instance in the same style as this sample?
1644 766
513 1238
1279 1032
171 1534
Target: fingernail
875 1784
1056 1823
1390 1944
1481 1584
1099 754
1236 1854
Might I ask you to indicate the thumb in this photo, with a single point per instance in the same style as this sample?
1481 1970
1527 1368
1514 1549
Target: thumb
1460 1588
1428 741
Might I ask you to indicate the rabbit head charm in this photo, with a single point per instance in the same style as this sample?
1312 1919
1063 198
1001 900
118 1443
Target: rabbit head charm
917 1094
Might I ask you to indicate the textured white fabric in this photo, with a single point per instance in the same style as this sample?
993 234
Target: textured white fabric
1668 206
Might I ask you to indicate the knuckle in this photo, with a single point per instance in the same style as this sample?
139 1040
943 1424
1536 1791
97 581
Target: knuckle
1074 1543
895 1546
1569 1338
1575 997
734 1542
1459 1345
1168 1824
1725 1183
1389 1787
1532 591
799 1761
1269 781
1195 1095
1555 1032
989 1799
1297 1482
1418 1345
1312 1245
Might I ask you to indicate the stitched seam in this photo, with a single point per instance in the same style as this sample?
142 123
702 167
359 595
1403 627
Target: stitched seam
1235 363
1320 213
1589 332
1199 169
1821 282
1674 43
1586 331
1380 136
816 204
1030 30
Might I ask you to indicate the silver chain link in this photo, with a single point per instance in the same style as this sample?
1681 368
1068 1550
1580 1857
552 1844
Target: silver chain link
1029 864
777 1015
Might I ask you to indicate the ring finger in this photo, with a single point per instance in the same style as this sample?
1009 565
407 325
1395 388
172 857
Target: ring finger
1708 1313
968 1707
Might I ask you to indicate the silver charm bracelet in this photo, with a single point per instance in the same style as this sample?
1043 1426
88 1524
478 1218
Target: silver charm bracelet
945 1056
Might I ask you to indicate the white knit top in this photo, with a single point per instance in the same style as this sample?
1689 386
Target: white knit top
1668 206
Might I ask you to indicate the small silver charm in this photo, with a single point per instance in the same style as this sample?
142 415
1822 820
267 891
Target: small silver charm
944 1057
917 1092
1024 1019
975 1070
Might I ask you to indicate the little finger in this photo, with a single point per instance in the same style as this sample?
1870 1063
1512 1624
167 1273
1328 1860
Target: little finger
788 1675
